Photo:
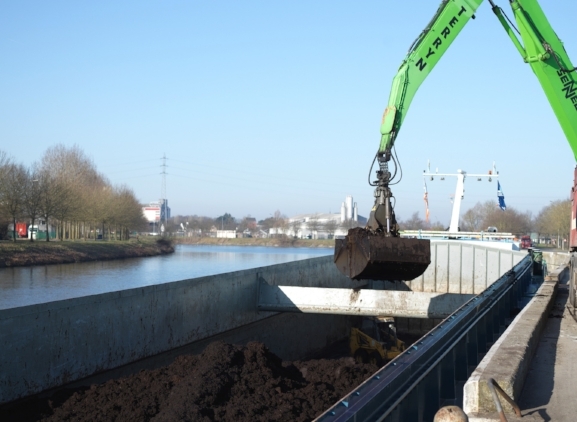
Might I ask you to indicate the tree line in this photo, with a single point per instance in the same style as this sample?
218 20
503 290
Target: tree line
202 225
279 222
65 191
552 221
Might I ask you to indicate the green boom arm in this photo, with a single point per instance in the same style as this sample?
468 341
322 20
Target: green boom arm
545 53
541 48
423 55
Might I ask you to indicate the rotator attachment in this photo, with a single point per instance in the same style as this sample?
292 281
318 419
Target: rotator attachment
382 217
377 252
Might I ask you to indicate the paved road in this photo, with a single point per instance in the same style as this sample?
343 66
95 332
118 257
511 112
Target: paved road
550 391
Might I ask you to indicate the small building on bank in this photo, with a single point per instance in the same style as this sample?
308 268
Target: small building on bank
226 234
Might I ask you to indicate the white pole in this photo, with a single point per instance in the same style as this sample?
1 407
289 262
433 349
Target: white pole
459 191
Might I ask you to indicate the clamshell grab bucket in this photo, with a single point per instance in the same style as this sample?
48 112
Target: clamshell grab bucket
365 255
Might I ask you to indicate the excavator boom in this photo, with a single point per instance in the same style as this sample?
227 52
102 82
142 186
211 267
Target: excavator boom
378 252
542 49
424 54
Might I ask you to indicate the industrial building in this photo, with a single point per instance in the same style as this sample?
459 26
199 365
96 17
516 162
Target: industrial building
156 213
323 225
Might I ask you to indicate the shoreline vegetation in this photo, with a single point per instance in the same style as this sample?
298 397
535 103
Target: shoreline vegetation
25 253
253 241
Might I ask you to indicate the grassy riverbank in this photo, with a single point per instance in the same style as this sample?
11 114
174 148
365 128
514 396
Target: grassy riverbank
270 242
24 252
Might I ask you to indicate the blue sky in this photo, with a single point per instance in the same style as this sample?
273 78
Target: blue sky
262 106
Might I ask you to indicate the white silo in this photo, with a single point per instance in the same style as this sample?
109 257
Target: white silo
355 212
343 212
349 207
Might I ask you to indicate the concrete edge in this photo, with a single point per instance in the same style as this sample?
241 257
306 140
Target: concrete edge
495 417
509 359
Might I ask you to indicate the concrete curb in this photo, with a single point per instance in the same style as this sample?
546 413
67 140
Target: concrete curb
509 359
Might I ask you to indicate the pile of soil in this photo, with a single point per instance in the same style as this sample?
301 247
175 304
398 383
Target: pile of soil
224 383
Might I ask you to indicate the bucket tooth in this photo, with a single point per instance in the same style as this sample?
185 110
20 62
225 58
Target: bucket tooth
366 255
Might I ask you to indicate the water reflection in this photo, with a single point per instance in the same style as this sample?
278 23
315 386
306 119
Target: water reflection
31 285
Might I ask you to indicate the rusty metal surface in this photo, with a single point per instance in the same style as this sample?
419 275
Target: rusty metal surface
496 388
364 255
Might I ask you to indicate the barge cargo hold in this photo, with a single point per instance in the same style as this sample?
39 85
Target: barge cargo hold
54 344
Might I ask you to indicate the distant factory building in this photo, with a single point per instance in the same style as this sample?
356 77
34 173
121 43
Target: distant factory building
323 225
155 213
349 210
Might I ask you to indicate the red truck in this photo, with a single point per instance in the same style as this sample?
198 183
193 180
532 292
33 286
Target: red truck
526 242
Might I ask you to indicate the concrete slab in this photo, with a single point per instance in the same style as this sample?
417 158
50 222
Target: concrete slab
495 418
363 302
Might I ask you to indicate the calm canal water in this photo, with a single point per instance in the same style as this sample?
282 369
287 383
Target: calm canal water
32 285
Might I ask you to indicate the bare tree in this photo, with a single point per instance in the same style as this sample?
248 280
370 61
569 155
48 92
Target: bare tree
295 226
65 189
126 213
75 171
413 223
488 214
509 220
54 194
437 226
225 222
266 223
279 222
248 223
473 220
5 163
555 219
32 200
314 225
331 227
200 225
14 180
349 224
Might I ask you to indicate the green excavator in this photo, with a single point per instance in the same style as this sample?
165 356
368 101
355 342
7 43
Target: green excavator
377 252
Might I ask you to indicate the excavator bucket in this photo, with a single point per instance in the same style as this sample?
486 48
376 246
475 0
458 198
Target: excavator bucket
365 255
